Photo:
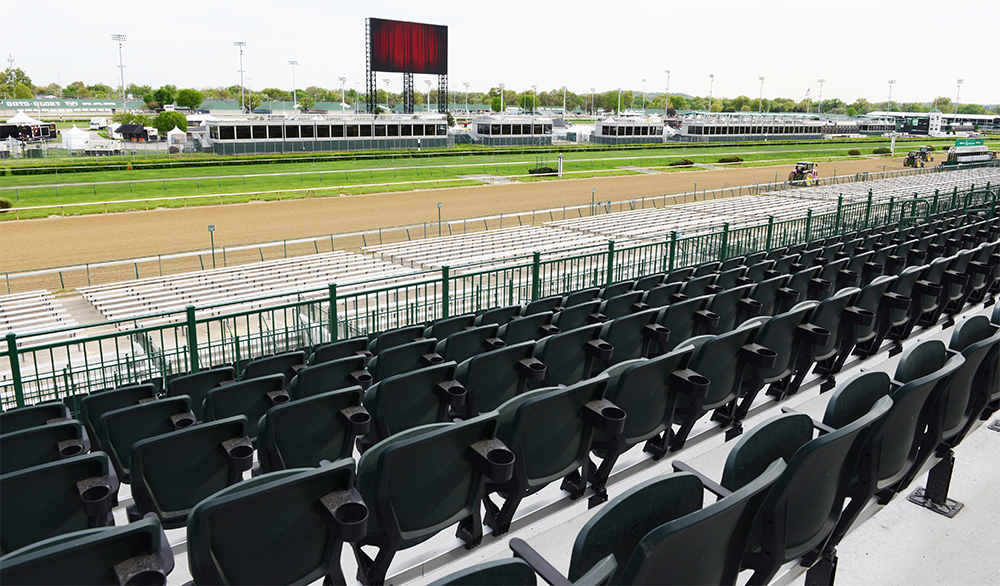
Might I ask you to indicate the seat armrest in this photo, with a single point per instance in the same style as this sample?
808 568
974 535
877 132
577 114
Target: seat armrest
362 378
818 425
955 277
858 316
548 330
656 333
689 382
604 416
347 514
277 398
493 459
494 343
539 564
678 297
357 420
757 355
531 368
451 391
182 420
706 318
596 318
895 300
927 288
790 296
749 307
713 289
813 334
638 306
599 349
709 484
432 359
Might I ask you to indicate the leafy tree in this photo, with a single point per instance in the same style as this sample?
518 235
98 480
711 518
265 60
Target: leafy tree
138 90
165 95
189 98
941 102
678 102
52 89
851 112
77 89
129 118
495 103
862 106
9 79
252 101
451 119
306 102
165 122
21 91
971 109
275 94
100 90
716 107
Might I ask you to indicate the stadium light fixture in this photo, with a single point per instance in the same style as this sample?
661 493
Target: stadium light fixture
427 106
243 104
889 103
121 66
592 90
760 98
819 107
666 100
466 84
643 95
711 82
439 217
386 80
958 95
534 92
501 98
564 101
619 111
295 96
343 96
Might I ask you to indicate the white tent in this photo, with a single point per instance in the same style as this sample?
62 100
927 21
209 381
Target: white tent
176 136
23 119
74 138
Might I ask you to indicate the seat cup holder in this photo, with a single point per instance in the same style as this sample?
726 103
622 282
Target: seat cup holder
96 500
278 398
351 521
143 570
147 578
363 378
760 356
615 418
531 369
182 420
433 359
359 422
70 448
239 453
500 464
456 395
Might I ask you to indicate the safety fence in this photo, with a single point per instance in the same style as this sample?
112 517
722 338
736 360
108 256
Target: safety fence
82 359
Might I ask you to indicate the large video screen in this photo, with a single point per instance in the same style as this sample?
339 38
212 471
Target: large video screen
408 47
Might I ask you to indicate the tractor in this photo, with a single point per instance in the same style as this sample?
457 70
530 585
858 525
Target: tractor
805 173
914 159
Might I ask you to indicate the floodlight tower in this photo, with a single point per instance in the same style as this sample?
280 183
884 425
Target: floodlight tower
466 84
295 96
243 106
711 77
889 103
819 108
501 98
644 95
427 106
958 94
386 80
760 98
534 92
564 101
619 111
592 90
666 100
343 96
121 65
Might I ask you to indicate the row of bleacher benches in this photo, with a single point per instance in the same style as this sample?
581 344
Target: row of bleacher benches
899 187
33 311
639 373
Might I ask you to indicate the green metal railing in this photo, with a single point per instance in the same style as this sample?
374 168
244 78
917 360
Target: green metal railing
96 356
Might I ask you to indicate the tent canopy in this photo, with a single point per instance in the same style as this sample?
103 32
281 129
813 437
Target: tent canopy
23 119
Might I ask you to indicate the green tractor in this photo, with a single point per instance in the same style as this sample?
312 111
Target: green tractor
914 159
805 173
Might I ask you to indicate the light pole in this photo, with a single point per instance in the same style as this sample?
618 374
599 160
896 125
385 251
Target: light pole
501 98
889 103
243 103
466 84
211 234
592 90
958 94
121 65
295 96
427 106
644 96
666 100
343 96
564 101
619 111
711 77
386 80
534 92
439 217
760 98
819 107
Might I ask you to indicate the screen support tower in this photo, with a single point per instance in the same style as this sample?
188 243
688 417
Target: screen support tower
371 88
408 93
442 93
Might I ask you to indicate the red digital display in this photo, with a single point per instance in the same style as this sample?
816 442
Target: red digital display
408 47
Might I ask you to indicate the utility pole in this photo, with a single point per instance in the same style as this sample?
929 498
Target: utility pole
760 99
711 77
295 96
819 107
121 65
243 104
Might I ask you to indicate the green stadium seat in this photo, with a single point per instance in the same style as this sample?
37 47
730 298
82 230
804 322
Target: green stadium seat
33 416
569 356
97 404
494 377
412 399
41 445
122 428
404 358
465 344
198 385
330 375
342 349
250 398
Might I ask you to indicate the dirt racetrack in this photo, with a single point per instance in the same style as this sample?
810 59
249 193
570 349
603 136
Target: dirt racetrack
61 241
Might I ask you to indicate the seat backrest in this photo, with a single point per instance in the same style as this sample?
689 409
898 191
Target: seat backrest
697 286
543 304
445 327
286 363
729 277
123 427
726 305
765 293
827 315
400 359
498 315
45 501
679 319
338 350
32 416
581 296
525 328
640 388
250 398
779 333
395 337
619 305
409 400
660 295
616 289
575 316
303 433
706 269
718 360
491 378
171 473
678 275
663 535
800 281
565 354
227 532
756 271
465 344
43 444
329 376
94 405
508 571
629 334
198 385
648 282
137 553
976 338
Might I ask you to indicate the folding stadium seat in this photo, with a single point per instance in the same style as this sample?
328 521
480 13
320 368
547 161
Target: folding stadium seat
783 265
341 349
527 328
678 275
581 296
709 268
198 385
392 338
808 258
731 263
171 473
733 306
958 285
498 315
250 398
620 305
56 498
443 328
549 432
96 404
928 295
808 284
723 360
285 527
647 391
494 377
408 400
729 278
754 258
684 319
648 282
465 344
401 480
616 289
802 507
287 364
899 309
756 272
514 572
663 534
984 272
662 295
569 356
835 271
121 428
404 358
303 433
862 265
698 286
634 336
330 376
40 445
33 416
543 304
777 253
875 299
137 553
581 314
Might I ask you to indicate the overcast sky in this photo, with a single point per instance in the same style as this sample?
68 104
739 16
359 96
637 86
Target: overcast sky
857 46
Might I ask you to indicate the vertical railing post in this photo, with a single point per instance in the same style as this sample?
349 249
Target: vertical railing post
892 202
334 326
934 207
610 278
15 368
840 210
770 233
192 335
723 247
673 251
954 197
868 210
809 221
445 290
536 279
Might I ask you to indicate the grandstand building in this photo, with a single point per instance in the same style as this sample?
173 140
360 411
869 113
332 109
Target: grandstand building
511 130
748 127
628 129
920 122
351 132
